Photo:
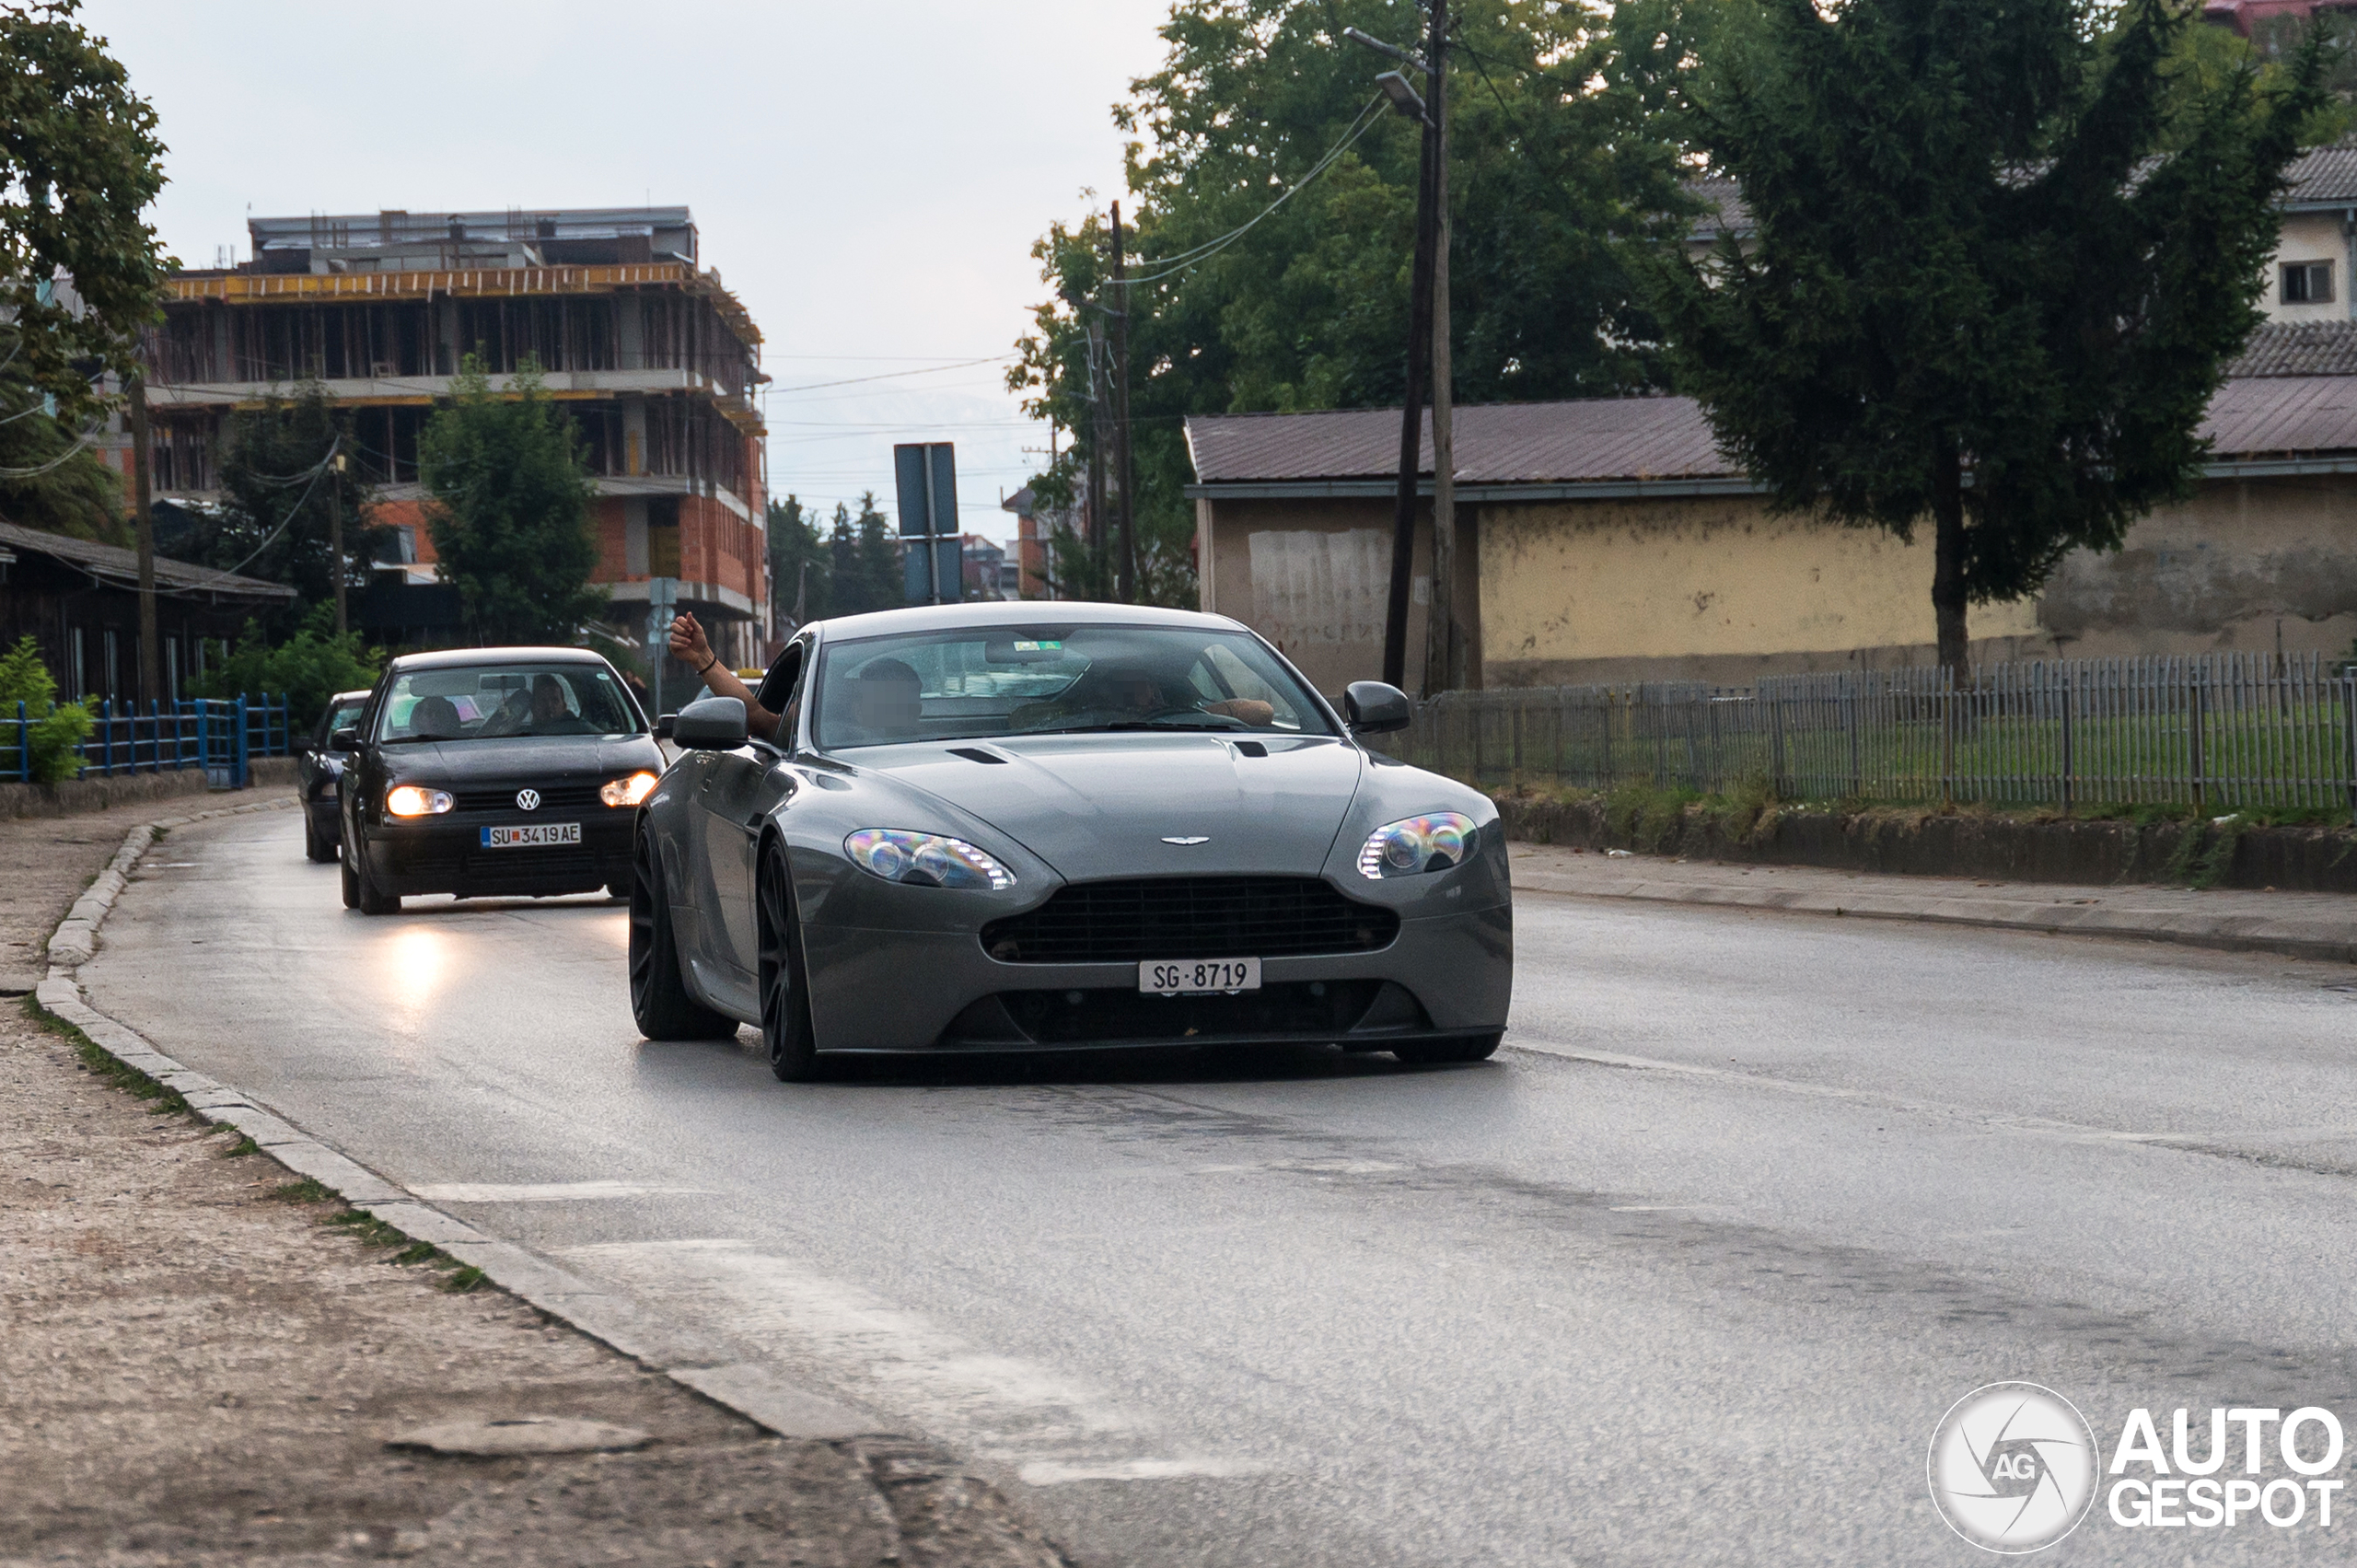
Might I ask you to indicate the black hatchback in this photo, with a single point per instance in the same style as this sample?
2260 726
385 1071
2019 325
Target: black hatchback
485 772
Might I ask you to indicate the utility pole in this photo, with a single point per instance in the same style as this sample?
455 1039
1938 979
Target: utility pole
1443 666
143 497
335 535
1128 566
1411 413
1099 438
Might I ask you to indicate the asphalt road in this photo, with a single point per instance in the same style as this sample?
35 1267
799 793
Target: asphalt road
1688 1274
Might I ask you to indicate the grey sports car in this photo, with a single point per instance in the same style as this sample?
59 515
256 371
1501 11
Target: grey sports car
1022 826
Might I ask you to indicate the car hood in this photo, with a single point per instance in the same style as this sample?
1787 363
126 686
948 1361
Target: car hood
464 763
1097 806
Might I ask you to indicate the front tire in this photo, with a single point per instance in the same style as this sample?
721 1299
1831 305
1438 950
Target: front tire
659 1003
372 899
785 999
1436 1052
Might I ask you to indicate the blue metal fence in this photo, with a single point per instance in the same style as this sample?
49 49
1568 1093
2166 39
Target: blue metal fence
220 735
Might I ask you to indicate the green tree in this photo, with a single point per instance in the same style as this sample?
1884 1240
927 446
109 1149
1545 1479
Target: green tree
801 564
866 568
1998 265
48 479
1555 166
56 728
279 483
510 493
310 666
79 163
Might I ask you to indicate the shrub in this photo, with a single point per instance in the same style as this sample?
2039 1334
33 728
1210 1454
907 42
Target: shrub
57 729
311 667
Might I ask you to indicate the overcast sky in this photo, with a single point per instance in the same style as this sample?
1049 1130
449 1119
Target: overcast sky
867 176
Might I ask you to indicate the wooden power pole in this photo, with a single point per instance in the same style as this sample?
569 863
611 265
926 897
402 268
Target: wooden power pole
1412 425
142 500
1128 561
335 537
1443 669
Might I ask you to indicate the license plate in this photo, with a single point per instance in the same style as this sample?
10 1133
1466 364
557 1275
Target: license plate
1198 977
535 834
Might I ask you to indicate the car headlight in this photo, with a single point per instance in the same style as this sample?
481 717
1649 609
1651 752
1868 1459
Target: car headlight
628 791
925 859
1416 844
408 800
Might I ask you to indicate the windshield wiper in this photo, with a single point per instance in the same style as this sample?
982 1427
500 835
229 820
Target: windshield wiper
1132 725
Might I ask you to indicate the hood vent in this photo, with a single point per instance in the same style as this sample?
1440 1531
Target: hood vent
976 754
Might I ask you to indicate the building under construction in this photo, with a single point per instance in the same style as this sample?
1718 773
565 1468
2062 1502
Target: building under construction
654 360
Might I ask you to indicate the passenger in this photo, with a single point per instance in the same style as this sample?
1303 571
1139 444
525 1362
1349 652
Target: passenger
691 647
888 698
1121 693
436 718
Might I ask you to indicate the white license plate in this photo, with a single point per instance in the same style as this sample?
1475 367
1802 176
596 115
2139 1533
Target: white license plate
1196 977
526 838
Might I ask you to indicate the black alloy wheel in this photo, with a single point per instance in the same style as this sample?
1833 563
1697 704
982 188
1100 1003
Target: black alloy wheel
659 1003
786 1000
1464 1047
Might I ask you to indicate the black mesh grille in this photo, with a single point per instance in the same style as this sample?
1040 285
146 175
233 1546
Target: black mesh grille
554 797
1190 917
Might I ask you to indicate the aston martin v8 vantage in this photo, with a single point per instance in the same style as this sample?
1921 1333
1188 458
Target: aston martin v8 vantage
1022 826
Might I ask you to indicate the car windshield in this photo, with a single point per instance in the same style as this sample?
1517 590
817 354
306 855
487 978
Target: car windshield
339 715
984 682
491 702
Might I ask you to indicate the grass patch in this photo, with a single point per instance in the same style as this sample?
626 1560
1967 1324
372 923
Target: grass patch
462 1282
161 1101
307 1190
407 1251
242 1147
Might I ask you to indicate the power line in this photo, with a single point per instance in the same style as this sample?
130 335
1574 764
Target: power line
889 375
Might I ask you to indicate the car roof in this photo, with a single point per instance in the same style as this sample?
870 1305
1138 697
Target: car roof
1015 613
445 658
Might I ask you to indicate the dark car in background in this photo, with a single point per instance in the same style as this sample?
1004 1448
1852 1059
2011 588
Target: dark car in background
315 775
492 771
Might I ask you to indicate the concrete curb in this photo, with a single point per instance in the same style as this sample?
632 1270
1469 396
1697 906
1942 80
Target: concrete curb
687 1357
2330 940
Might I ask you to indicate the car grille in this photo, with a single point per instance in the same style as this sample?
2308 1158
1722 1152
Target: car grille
1310 1010
1190 917
554 797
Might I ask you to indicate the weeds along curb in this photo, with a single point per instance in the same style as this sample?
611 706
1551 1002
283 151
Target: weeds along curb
383 1215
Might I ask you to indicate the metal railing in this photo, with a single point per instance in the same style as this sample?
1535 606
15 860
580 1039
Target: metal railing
220 735
2227 732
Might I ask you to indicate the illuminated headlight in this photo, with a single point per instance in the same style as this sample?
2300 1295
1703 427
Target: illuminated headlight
628 791
925 859
408 800
1418 844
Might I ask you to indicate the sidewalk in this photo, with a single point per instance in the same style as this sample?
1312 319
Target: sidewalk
2307 925
205 1362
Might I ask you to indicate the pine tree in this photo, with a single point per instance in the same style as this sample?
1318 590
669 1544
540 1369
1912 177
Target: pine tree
1999 258
879 559
801 564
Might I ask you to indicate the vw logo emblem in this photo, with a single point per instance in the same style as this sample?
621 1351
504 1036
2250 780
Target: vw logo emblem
528 800
1188 839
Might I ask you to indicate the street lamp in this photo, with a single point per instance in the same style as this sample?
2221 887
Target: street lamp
1403 97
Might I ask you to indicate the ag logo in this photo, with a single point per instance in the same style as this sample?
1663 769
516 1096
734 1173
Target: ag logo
2013 1468
528 800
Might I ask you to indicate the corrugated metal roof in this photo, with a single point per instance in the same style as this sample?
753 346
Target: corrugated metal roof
121 567
1618 440
2298 348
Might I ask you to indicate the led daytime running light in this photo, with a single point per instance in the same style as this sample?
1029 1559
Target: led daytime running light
1417 844
925 859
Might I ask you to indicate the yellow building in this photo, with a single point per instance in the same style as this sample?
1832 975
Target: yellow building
1610 540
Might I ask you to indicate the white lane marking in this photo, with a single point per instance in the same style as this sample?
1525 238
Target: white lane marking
543 1191
2196 1142
997 1407
1051 1472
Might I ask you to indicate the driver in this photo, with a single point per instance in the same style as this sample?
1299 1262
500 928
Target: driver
1129 694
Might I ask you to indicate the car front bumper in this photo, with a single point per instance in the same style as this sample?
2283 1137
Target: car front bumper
1442 976
446 854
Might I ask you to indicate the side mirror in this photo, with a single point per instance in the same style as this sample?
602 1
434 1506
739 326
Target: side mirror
1372 708
663 726
710 724
345 737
